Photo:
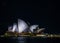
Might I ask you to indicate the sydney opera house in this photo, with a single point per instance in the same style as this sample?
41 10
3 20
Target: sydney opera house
23 28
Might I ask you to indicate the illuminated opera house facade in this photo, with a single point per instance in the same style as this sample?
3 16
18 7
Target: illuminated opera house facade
22 28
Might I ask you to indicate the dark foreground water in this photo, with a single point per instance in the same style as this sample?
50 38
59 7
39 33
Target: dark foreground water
29 40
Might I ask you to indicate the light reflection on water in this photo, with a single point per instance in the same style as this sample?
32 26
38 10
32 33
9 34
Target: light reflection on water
22 39
29 40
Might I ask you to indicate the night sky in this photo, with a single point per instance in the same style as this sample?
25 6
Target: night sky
44 13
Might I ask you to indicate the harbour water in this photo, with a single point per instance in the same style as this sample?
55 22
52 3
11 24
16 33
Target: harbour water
29 40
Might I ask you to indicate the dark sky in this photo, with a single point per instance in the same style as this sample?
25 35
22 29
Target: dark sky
44 12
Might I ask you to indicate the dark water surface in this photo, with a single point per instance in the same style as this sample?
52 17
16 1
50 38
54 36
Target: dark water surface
29 40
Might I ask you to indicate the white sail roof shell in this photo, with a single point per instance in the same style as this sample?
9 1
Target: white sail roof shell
10 28
32 27
22 25
13 28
